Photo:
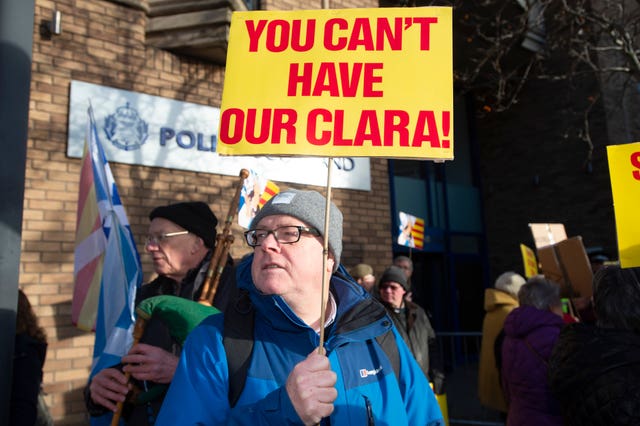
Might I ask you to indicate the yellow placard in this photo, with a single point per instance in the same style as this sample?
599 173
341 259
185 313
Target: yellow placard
529 260
624 171
339 83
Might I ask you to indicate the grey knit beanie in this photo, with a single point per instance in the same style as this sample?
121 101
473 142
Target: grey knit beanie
395 274
308 206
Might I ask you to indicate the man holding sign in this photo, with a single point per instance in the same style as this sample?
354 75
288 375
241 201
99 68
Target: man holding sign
364 374
340 83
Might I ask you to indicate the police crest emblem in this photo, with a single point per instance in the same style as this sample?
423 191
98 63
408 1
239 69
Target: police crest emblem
125 129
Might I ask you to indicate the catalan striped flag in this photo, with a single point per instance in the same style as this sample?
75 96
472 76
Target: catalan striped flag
269 191
107 266
417 232
256 191
410 231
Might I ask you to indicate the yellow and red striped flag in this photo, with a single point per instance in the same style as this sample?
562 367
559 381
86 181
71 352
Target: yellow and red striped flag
417 232
270 190
256 191
411 231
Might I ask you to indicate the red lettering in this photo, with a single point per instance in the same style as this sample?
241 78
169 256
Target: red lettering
396 121
350 85
394 128
263 128
361 35
256 126
384 33
340 42
338 128
426 121
254 33
635 161
277 35
304 79
284 120
327 80
312 127
231 123
446 128
281 34
368 129
343 81
338 35
370 79
300 43
425 30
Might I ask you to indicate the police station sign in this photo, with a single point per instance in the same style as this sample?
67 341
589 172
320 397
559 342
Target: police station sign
136 128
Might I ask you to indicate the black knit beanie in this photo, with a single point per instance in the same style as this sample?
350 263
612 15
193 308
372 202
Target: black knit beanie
194 216
395 274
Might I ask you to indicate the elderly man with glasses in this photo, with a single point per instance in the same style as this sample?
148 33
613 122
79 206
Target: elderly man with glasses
181 239
413 324
289 380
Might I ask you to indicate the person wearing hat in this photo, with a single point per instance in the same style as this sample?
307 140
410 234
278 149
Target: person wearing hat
363 274
498 303
180 242
413 324
406 264
289 380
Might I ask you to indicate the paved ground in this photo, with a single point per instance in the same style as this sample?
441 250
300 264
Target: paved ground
462 399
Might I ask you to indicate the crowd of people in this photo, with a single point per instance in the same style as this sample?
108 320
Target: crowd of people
543 365
366 355
367 363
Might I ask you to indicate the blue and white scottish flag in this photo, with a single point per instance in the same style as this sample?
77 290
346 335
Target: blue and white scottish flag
121 271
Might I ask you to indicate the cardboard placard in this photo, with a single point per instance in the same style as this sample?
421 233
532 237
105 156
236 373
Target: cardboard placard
546 234
567 264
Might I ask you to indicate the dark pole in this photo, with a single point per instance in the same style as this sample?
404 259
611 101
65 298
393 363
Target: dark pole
16 40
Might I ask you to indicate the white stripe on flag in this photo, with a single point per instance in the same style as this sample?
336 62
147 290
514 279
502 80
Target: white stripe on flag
89 248
119 341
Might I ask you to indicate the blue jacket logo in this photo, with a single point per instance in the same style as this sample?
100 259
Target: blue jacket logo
125 129
366 373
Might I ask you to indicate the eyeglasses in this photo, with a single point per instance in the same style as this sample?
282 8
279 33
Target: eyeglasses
283 234
159 239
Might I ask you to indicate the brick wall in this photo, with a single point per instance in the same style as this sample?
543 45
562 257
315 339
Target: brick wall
104 43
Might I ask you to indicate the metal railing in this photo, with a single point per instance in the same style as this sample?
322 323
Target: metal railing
460 352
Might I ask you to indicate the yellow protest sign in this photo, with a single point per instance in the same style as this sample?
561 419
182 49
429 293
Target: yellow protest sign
624 171
529 260
339 83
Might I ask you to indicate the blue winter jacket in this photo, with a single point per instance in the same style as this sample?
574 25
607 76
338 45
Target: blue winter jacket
368 391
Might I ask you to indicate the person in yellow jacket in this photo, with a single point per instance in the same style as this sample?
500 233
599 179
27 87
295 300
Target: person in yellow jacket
498 302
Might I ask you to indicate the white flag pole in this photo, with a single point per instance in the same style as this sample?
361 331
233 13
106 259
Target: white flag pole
325 252
326 277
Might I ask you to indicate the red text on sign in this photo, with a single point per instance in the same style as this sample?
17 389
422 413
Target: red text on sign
374 128
273 125
362 34
393 128
635 161
336 80
281 34
339 36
